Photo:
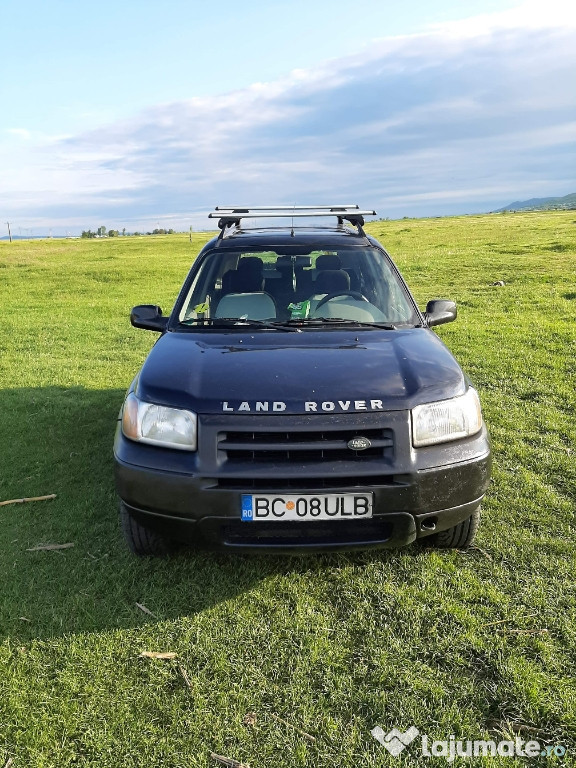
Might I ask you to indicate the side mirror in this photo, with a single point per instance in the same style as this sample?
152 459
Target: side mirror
149 317
440 311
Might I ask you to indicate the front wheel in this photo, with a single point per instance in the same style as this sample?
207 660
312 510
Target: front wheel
141 540
458 537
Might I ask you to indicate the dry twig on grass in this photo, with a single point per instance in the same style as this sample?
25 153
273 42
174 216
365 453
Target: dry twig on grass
504 621
8 763
158 655
145 610
30 498
505 727
229 762
49 547
483 552
298 730
493 623
184 676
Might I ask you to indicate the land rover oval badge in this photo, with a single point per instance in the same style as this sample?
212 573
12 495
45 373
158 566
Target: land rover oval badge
359 444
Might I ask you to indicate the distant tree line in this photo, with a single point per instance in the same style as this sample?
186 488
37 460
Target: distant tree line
103 232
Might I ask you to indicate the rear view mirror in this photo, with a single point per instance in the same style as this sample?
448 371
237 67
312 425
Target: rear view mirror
149 317
286 261
440 311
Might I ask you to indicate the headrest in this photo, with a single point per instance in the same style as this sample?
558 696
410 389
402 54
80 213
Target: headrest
247 278
251 265
332 281
328 261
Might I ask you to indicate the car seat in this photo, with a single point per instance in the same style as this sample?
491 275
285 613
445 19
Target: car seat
328 261
329 281
256 305
248 278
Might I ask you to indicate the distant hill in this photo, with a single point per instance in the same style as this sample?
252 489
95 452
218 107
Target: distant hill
542 204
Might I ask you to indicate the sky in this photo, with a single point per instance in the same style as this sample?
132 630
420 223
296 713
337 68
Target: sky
137 115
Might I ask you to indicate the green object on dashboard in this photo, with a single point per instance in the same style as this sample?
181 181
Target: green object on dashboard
299 310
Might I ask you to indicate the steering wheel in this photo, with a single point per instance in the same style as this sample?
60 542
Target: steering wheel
354 294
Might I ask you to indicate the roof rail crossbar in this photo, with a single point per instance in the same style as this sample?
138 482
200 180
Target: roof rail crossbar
231 216
245 208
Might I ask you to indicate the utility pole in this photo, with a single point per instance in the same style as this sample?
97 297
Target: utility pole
9 233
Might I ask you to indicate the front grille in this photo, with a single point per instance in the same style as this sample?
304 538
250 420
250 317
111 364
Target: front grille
290 455
253 453
274 484
302 447
312 533
303 483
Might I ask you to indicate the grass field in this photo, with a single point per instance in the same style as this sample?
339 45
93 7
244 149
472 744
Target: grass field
479 644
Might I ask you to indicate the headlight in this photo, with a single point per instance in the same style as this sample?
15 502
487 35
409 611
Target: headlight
159 425
447 420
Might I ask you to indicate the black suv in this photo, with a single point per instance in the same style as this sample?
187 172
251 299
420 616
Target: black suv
298 400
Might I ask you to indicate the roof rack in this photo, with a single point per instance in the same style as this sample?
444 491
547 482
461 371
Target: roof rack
232 215
285 207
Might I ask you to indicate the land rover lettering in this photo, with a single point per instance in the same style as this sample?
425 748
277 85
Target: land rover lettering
309 406
258 407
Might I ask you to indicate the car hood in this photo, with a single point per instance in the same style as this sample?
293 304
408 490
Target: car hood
273 372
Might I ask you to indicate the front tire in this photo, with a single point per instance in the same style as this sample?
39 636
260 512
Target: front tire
143 541
458 537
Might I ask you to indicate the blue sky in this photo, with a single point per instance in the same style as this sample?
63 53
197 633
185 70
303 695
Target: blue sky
138 114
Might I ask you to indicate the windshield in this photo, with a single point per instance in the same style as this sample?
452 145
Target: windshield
349 285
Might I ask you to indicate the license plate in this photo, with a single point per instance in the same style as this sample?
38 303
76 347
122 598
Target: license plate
328 506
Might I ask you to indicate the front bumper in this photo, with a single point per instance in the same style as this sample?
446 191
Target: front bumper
192 497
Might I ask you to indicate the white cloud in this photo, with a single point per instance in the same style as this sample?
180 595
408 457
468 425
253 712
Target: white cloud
21 133
466 116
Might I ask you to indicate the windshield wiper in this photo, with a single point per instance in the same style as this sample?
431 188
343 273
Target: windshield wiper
346 321
235 322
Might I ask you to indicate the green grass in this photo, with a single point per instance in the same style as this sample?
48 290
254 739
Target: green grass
334 645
